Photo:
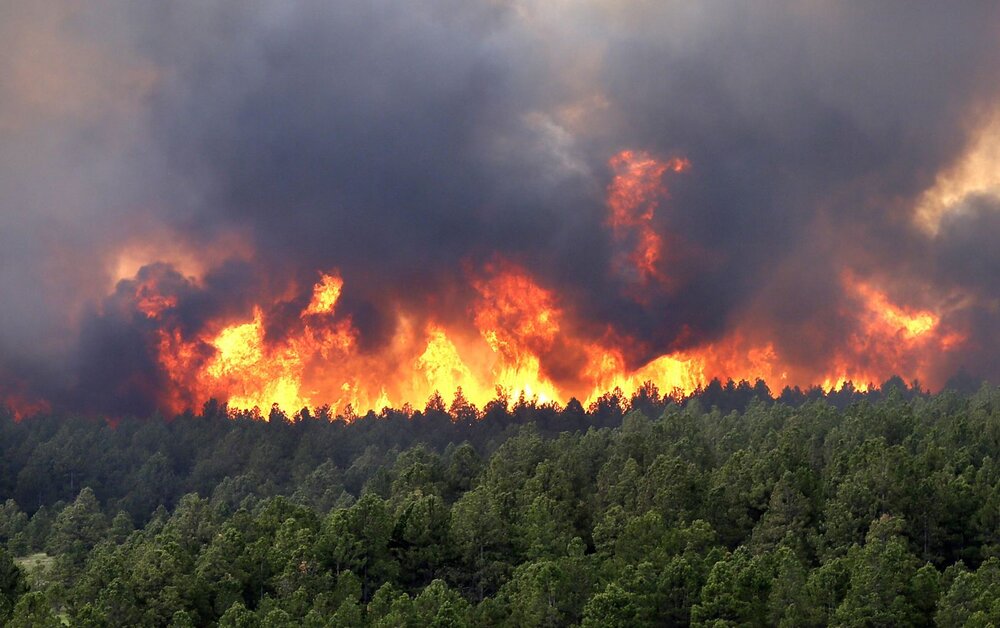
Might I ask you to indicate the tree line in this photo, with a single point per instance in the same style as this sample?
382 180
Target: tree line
729 507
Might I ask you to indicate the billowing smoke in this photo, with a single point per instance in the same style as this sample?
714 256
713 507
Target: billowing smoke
173 166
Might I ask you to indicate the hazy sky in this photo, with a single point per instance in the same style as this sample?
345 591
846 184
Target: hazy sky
252 143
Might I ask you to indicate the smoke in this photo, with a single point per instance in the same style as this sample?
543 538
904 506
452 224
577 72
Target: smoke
226 151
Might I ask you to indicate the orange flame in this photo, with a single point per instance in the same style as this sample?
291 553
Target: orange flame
520 325
894 320
520 336
151 302
633 198
325 295
24 405
890 338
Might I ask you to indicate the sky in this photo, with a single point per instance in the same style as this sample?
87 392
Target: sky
230 151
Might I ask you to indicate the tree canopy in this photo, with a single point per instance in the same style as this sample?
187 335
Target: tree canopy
727 508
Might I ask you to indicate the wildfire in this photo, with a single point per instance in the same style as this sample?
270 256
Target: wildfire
908 324
22 404
441 363
633 198
518 324
325 295
320 362
520 336
253 373
890 337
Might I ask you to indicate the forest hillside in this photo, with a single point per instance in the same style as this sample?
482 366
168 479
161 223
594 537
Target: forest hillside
730 507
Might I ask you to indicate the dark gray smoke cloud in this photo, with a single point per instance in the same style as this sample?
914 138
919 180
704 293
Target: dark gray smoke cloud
404 143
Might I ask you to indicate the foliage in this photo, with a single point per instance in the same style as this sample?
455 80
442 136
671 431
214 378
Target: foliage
728 508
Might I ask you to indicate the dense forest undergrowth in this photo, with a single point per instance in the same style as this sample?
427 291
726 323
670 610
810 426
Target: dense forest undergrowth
727 508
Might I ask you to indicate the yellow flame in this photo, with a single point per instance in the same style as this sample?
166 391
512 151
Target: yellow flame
326 293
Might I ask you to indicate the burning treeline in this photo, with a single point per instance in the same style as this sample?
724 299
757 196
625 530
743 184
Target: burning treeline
361 203
297 348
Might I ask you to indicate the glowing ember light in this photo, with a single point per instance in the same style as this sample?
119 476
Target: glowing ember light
152 305
886 319
606 369
166 246
633 197
520 336
325 295
23 405
255 376
519 320
441 362
906 322
514 313
517 326
888 339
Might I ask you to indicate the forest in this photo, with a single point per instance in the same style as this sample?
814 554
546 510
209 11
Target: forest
731 507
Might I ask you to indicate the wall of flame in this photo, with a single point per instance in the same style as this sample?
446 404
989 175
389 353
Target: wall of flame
517 336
